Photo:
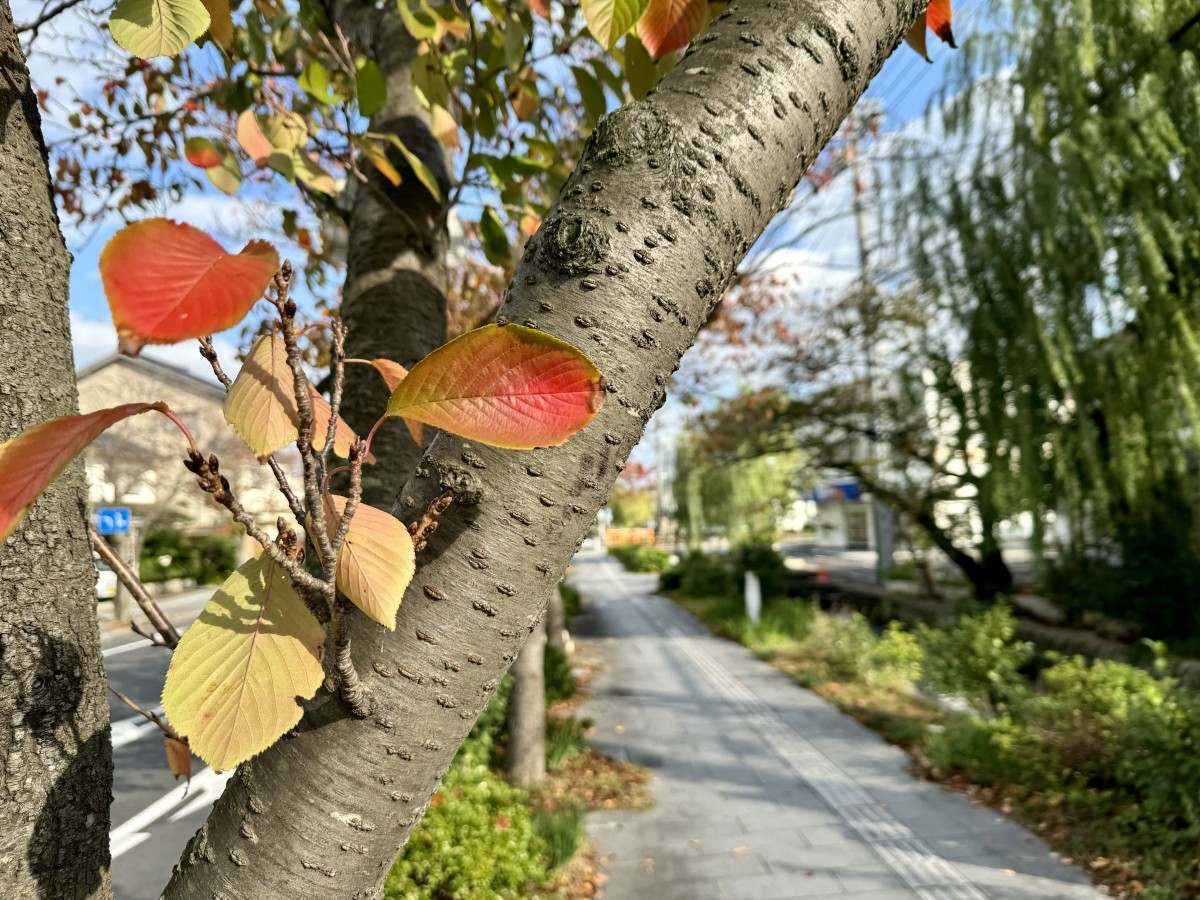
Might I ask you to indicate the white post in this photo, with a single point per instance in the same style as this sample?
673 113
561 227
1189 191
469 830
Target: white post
753 592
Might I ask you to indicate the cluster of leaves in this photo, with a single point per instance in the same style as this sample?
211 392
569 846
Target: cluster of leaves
235 677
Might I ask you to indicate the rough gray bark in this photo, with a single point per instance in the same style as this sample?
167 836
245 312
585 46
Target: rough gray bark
55 753
556 624
526 752
669 195
394 300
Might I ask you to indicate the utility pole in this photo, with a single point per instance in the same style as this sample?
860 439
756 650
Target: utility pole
864 123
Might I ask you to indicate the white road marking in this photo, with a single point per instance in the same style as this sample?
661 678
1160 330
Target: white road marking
126 731
206 786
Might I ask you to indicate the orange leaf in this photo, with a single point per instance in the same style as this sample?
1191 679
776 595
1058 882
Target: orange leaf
261 404
203 153
443 126
36 456
377 561
252 139
667 25
541 7
504 385
393 373
168 282
938 17
179 758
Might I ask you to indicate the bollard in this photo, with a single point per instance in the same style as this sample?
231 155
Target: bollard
753 593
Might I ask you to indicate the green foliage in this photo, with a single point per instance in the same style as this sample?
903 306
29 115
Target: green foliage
700 575
561 832
478 841
560 681
564 740
641 557
758 556
572 601
978 658
632 507
208 559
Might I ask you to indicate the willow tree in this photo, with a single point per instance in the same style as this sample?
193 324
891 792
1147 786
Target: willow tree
1062 236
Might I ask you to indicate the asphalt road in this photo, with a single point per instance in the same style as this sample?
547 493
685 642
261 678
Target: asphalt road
153 815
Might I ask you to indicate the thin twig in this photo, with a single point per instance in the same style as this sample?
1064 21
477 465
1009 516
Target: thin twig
338 370
301 385
353 692
138 590
152 716
209 352
141 632
47 15
213 482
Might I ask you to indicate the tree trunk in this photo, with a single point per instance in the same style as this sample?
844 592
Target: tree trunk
394 300
526 755
556 623
669 195
55 753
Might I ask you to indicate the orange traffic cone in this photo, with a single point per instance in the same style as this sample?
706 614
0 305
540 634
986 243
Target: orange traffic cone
822 575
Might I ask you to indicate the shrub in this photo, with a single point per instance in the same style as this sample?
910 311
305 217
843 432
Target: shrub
983 751
978 659
561 832
559 679
840 648
641 557
572 601
564 740
489 735
700 575
208 559
764 561
476 840
896 656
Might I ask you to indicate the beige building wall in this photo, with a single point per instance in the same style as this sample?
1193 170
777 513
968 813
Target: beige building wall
139 462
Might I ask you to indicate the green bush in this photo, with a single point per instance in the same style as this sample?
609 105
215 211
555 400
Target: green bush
560 680
478 841
208 559
571 600
978 658
840 648
983 751
564 740
641 557
560 831
764 561
700 575
897 656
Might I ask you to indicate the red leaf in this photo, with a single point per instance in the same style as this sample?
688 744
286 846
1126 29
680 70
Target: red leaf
504 385
938 17
35 457
168 282
541 7
667 25
203 153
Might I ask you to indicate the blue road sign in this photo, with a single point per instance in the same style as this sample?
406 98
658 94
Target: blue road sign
113 520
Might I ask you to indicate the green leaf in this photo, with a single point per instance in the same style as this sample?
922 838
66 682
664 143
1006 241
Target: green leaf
640 70
420 22
495 239
419 168
608 20
149 28
281 162
314 81
591 94
370 86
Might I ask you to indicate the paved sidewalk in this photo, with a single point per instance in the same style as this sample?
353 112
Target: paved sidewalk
766 792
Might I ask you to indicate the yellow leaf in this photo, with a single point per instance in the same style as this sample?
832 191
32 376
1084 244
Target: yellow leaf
444 128
150 28
378 158
376 563
261 404
234 678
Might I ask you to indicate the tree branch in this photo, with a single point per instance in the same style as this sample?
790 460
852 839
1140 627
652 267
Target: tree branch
134 584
